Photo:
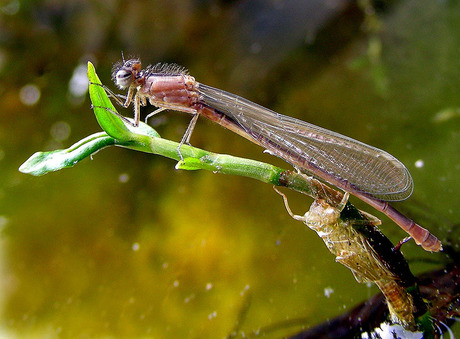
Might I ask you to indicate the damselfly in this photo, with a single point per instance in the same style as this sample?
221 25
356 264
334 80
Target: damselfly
368 173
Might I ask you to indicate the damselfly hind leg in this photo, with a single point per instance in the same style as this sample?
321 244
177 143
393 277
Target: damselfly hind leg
161 109
401 242
187 134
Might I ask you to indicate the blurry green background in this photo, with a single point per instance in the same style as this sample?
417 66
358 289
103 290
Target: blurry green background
123 245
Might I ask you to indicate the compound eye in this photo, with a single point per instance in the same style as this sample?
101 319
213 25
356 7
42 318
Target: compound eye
123 78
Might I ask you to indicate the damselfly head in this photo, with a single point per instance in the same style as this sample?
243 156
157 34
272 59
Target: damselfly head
126 72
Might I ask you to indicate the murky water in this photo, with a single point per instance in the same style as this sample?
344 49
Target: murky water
123 245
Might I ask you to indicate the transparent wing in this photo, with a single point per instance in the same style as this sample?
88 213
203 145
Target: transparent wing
310 148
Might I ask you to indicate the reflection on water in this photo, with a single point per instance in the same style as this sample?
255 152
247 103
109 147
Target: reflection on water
29 95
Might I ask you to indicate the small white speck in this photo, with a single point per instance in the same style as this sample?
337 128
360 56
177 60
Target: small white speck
29 94
176 283
269 152
419 163
123 178
189 298
212 315
136 247
209 286
328 291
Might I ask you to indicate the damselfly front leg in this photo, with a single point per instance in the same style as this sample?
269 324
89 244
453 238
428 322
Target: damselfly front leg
120 99
117 99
